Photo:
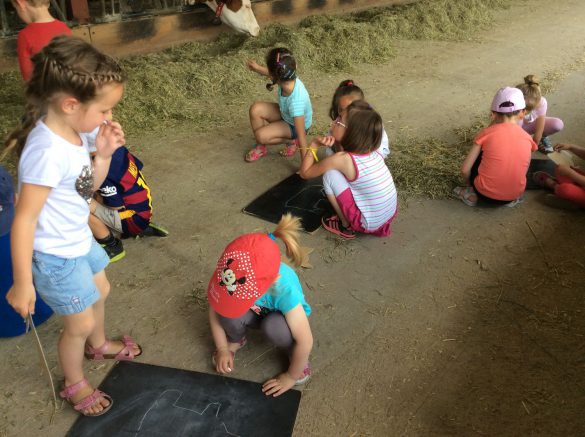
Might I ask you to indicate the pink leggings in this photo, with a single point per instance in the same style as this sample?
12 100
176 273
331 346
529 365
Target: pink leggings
551 126
569 190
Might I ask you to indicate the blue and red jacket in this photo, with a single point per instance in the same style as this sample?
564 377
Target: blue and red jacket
125 188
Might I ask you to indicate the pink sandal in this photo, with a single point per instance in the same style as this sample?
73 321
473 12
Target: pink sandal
126 354
334 225
290 149
86 402
256 153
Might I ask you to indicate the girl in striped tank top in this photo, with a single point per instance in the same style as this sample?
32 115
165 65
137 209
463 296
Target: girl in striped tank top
357 182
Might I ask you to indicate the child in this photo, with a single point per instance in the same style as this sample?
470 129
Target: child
569 182
535 122
72 90
123 205
495 167
291 117
251 287
346 93
357 182
41 28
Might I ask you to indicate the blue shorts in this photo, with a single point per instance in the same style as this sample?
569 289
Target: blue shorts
66 284
293 131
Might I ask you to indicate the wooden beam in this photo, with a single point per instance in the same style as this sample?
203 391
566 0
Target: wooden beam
150 34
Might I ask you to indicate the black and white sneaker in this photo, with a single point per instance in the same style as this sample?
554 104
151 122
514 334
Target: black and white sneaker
115 250
154 230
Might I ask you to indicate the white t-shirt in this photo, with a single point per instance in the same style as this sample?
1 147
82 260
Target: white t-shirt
539 111
48 160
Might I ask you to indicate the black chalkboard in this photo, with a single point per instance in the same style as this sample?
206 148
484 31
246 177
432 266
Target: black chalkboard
546 165
154 401
302 198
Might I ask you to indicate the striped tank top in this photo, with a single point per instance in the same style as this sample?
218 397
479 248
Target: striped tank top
373 190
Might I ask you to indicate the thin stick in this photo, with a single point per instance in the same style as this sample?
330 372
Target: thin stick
542 250
30 324
259 356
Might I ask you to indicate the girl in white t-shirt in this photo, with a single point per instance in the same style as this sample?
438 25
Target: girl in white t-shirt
535 122
72 90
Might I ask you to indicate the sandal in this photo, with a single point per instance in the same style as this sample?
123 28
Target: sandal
243 342
541 178
334 225
126 354
464 194
256 153
306 375
290 149
86 402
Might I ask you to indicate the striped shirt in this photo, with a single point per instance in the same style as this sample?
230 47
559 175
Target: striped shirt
373 190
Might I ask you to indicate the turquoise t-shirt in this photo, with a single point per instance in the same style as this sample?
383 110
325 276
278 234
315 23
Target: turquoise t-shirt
285 294
296 105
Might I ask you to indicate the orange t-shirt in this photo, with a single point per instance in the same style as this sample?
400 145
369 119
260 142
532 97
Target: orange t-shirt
506 150
33 38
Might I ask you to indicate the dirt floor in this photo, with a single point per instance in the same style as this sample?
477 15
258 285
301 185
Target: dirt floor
464 322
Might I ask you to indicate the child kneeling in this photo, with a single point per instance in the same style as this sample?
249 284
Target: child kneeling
251 287
495 167
356 180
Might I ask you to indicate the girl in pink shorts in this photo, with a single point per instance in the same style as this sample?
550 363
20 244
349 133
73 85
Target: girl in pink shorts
357 182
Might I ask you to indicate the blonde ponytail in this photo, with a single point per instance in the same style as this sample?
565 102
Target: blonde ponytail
531 90
287 230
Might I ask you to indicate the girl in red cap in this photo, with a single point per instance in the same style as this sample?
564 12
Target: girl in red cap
252 287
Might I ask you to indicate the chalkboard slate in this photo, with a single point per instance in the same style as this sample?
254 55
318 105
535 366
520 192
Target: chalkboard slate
546 165
154 401
302 198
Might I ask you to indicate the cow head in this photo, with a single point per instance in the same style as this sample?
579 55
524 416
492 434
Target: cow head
237 14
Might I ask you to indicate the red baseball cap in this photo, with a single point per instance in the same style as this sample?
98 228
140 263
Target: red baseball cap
246 269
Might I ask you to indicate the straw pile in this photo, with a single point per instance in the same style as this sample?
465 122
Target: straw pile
204 86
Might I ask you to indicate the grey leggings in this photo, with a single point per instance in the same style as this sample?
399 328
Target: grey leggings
273 325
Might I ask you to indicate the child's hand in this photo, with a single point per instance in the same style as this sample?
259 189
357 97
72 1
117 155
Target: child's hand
109 138
562 146
22 299
278 385
253 65
224 361
327 141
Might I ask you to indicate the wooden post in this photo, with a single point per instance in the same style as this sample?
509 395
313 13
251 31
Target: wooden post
80 11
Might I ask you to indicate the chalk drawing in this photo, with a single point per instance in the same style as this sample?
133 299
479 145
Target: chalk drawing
155 404
313 209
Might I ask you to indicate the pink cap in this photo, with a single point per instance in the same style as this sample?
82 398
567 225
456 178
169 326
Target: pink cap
246 269
507 100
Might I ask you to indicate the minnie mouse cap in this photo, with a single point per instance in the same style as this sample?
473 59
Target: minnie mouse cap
508 100
246 269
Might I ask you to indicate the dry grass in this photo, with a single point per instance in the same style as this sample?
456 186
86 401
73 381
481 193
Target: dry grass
204 86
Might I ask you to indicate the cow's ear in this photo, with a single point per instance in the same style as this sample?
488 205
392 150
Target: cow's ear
221 283
242 280
228 262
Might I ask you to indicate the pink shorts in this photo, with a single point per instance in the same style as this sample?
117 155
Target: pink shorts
354 215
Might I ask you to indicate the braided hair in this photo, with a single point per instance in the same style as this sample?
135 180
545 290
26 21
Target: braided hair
281 65
66 65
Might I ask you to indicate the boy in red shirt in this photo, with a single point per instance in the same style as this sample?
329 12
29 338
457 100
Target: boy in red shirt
40 30
495 167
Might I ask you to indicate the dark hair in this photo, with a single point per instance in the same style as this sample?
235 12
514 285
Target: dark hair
66 65
364 128
345 88
508 114
281 66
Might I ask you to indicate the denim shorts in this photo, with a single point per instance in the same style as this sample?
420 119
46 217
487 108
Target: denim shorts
293 131
66 284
